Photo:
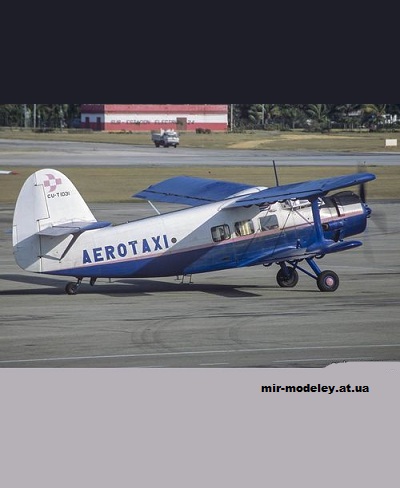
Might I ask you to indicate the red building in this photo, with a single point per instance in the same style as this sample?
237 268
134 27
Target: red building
140 117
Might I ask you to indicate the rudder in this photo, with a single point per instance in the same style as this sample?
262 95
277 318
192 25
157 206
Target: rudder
47 201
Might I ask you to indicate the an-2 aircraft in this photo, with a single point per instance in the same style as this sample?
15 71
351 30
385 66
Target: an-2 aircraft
223 225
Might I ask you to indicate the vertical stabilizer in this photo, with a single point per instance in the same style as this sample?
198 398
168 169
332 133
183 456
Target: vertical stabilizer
46 200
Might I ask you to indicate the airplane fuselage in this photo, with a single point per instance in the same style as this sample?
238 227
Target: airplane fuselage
224 225
200 239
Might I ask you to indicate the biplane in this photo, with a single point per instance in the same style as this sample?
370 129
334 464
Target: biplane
222 225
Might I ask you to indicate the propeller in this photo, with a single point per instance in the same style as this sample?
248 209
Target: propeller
379 218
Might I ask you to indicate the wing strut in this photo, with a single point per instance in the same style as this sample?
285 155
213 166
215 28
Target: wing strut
154 207
322 245
320 239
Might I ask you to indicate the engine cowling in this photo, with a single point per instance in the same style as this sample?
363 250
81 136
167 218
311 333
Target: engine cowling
343 214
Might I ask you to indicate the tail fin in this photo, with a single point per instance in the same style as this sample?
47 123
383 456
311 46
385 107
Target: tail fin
48 205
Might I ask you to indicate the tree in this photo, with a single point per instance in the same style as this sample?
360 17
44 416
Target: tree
11 115
233 116
374 115
348 114
319 114
291 115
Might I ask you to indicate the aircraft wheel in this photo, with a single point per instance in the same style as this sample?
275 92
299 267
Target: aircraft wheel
71 288
287 281
328 281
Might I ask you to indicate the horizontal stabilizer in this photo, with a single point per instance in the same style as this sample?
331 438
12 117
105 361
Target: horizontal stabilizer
189 190
72 228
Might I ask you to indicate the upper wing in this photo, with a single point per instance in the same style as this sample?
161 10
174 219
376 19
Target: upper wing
199 191
303 190
190 190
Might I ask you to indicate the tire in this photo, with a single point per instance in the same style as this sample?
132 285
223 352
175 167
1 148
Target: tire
71 288
287 281
328 281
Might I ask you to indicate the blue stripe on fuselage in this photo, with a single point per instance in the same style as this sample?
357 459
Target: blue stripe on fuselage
254 249
226 254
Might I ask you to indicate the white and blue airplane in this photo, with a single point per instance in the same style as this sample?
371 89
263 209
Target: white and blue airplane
223 225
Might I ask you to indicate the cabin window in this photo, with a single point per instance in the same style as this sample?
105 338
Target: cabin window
269 222
244 228
295 203
220 232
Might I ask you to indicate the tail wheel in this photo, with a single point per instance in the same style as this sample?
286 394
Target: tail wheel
328 281
288 279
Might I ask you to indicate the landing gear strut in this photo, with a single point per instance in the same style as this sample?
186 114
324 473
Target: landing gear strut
72 287
287 276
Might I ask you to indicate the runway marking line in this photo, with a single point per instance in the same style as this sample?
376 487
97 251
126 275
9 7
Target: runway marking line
323 359
183 353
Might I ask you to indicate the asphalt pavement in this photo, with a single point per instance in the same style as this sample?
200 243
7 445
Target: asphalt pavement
51 154
229 319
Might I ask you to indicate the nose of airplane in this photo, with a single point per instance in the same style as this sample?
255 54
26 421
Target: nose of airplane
367 210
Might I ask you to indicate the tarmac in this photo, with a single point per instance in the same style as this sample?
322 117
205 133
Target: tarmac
49 154
238 318
229 319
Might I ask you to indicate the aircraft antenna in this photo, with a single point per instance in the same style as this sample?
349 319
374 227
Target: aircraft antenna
276 174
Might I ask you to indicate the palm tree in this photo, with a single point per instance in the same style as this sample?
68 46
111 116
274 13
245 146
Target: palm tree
290 115
319 114
375 115
9 115
348 114
255 114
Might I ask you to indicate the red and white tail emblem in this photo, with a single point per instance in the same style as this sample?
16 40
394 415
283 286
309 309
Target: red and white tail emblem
52 182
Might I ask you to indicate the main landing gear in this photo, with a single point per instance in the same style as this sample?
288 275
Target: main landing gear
287 276
72 287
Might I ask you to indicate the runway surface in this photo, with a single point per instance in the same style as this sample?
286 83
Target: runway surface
54 154
228 319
